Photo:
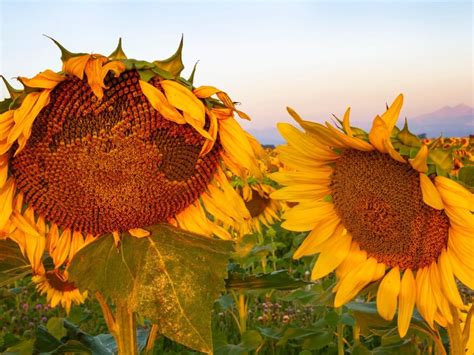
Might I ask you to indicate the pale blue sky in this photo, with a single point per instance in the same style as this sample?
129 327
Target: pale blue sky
317 56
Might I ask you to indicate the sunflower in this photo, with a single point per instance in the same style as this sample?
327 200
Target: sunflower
264 210
111 144
376 215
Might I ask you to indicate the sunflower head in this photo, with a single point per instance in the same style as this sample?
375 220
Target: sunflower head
380 207
112 144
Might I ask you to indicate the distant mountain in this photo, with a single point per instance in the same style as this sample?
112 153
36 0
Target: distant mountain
447 121
457 121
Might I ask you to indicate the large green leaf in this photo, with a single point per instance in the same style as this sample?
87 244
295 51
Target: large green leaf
13 266
172 278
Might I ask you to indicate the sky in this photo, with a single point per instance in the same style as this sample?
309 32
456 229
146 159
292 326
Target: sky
318 57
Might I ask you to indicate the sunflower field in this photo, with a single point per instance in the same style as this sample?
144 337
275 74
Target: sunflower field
138 217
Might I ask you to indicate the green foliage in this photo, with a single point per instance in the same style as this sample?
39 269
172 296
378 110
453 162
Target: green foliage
171 278
13 265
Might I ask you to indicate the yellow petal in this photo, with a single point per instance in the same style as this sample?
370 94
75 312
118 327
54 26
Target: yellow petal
235 143
346 124
316 129
76 65
305 143
61 252
406 302
462 272
355 257
94 74
352 142
319 234
392 152
197 126
183 99
3 169
430 193
419 162
390 116
23 224
460 216
304 217
26 114
333 253
302 177
44 80
425 301
159 102
139 232
453 194
387 294
462 244
378 134
213 129
355 281
441 301
203 92
448 282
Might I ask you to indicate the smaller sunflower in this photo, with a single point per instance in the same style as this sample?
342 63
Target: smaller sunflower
58 290
379 214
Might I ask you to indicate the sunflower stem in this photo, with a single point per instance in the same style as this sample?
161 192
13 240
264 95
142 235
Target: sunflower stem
126 330
340 335
455 334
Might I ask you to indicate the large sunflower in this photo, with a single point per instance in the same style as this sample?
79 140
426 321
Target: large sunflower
111 144
376 215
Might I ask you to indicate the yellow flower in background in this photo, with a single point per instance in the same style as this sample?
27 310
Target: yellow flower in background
375 215
110 145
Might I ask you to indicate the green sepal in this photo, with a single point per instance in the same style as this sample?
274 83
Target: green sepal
173 64
395 132
443 159
65 54
146 74
191 77
408 138
118 53
14 93
142 65
5 105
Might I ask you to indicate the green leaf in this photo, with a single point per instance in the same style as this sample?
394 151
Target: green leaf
408 138
55 326
118 53
172 278
45 341
13 266
25 347
251 340
466 175
174 64
280 280
318 341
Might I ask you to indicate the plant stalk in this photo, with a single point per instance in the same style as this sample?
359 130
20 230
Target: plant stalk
126 329
455 334
340 335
